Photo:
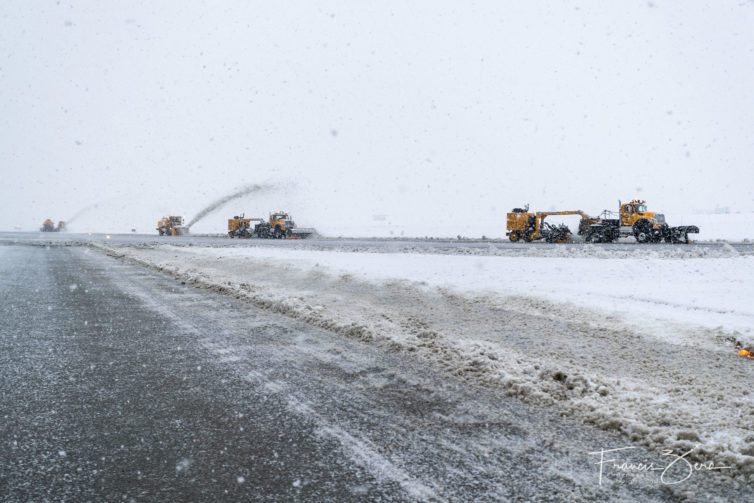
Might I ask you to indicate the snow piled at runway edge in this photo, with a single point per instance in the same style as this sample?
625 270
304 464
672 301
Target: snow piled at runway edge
534 330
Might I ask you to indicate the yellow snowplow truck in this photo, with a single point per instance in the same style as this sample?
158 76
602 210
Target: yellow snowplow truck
278 226
49 226
241 227
532 226
633 219
281 224
171 226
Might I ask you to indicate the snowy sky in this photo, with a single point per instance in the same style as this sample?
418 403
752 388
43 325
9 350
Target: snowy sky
423 111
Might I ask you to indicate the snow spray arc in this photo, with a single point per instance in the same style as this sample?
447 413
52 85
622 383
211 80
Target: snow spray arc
238 193
83 210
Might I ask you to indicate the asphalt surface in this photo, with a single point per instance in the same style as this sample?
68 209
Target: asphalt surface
118 383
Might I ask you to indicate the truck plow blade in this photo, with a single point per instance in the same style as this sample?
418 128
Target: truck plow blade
680 234
303 233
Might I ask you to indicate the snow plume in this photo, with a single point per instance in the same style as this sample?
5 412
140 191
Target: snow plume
238 193
83 210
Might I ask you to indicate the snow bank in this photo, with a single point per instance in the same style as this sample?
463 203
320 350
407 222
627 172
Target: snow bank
722 250
644 346
655 294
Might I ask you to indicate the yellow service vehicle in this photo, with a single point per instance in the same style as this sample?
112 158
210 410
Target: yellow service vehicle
532 226
633 219
279 225
49 226
171 226
241 227
282 224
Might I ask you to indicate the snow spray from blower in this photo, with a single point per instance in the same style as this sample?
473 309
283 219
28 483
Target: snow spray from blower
83 210
215 205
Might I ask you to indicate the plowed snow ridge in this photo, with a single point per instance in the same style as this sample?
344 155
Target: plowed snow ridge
644 346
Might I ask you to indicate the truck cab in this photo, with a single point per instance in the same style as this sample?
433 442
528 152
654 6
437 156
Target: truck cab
281 223
634 214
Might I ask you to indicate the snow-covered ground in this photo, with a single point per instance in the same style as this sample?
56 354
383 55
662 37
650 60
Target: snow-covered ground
657 293
642 345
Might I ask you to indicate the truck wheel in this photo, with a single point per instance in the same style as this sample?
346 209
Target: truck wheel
642 236
514 236
594 237
562 239
643 231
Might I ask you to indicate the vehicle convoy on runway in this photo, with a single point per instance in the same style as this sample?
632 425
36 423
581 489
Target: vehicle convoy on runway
279 225
632 219
49 226
171 226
